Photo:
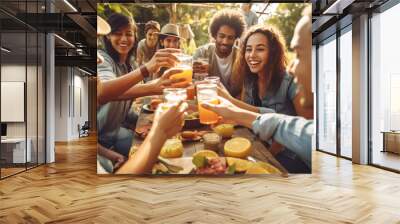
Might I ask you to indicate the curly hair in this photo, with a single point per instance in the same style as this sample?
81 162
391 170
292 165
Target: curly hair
228 17
277 61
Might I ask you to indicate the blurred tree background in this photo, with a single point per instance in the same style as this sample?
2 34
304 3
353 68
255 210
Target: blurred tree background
284 16
198 16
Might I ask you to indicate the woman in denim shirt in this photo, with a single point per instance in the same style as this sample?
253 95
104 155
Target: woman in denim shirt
267 87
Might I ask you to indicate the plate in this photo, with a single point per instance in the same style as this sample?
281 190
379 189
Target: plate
147 108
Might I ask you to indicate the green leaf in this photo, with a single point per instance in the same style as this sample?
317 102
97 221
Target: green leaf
231 169
199 161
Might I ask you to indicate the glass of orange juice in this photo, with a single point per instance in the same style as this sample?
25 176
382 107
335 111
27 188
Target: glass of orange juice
186 63
207 93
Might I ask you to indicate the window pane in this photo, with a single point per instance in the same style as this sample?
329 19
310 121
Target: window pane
346 94
327 96
385 84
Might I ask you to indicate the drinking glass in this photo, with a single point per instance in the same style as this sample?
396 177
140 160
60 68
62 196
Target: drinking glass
212 79
207 93
200 62
186 65
173 96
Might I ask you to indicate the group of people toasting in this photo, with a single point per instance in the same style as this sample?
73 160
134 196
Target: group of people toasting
256 89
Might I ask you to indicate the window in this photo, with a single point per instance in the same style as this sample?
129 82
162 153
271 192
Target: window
327 95
385 85
346 92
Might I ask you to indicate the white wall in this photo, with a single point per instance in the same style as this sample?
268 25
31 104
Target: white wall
14 73
71 93
34 125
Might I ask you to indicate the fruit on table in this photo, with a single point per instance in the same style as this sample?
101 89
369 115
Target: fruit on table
268 167
205 153
256 169
224 130
173 148
237 147
241 165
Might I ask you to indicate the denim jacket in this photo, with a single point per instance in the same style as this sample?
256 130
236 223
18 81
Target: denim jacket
279 102
293 132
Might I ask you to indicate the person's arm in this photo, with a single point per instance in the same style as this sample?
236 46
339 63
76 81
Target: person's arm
293 132
154 87
113 156
223 92
146 156
166 124
112 87
139 90
244 105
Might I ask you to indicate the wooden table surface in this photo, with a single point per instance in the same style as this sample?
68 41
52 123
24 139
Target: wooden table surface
259 150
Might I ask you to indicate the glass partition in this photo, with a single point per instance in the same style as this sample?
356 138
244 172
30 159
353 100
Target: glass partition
327 95
385 89
346 92
22 88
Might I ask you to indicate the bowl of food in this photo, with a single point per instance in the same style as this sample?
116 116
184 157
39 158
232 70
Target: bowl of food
192 120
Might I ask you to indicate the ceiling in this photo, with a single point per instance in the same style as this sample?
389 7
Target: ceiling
330 15
21 20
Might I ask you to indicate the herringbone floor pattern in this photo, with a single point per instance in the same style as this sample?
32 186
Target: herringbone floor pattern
69 191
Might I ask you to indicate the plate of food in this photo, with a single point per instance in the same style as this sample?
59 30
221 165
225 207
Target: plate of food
209 163
191 136
152 106
143 131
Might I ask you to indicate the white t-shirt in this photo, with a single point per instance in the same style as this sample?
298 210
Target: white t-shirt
225 67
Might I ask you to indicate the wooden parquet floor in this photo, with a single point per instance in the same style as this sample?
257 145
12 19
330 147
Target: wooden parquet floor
69 191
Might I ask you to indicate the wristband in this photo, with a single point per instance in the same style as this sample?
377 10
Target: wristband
143 70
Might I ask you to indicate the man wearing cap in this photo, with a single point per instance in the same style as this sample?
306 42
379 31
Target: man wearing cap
225 27
169 36
148 46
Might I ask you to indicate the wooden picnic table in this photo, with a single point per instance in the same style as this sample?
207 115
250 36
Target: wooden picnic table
259 152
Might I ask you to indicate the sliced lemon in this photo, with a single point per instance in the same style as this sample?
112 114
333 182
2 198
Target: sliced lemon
241 165
268 167
237 147
255 168
205 153
225 130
